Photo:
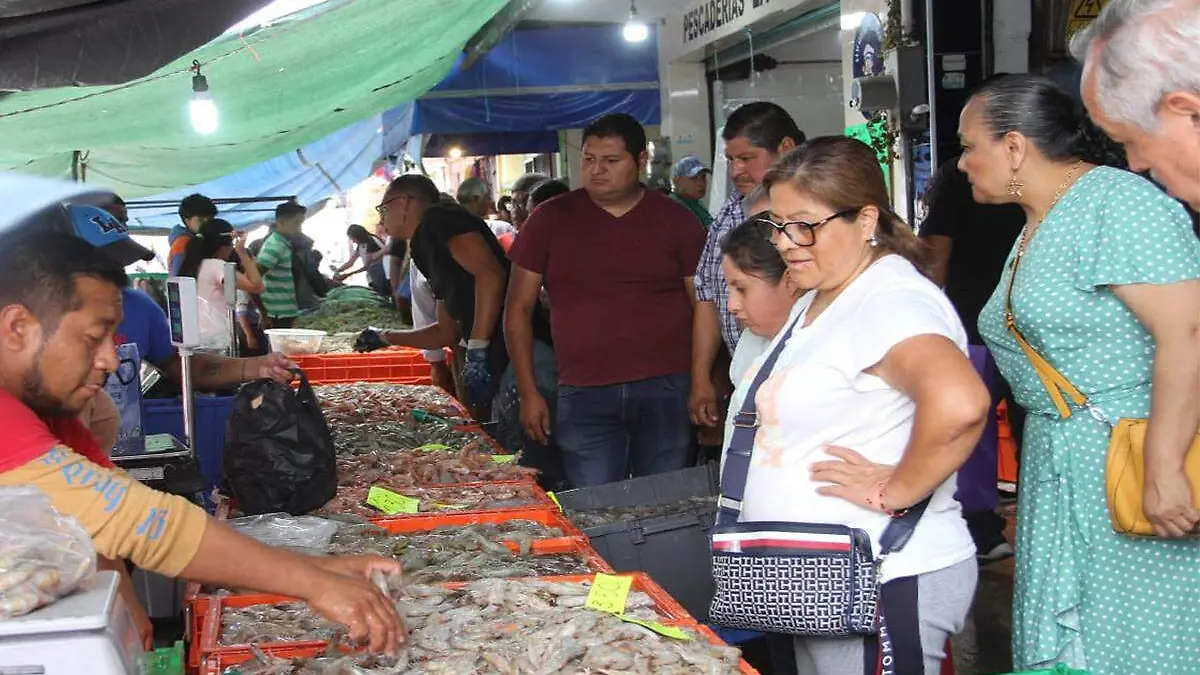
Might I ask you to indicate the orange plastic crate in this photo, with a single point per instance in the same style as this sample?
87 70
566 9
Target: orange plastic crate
540 499
399 365
549 516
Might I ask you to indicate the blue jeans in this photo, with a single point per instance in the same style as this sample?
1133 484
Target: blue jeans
506 412
608 433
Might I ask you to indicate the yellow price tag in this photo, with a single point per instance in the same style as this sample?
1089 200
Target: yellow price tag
391 503
609 593
433 447
555 500
668 631
504 459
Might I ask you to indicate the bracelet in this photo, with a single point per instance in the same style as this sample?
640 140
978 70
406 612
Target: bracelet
882 487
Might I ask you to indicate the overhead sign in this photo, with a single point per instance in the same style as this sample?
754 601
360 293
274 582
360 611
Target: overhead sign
710 15
1082 13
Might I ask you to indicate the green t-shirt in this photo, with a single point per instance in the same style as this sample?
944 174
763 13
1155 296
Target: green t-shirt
696 207
275 259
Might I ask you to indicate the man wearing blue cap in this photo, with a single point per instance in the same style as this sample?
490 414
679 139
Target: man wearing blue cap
690 178
145 323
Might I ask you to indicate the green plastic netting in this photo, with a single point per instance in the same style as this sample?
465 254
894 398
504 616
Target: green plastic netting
277 89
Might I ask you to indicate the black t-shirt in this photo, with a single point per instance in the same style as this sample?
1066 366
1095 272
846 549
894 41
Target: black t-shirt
983 236
454 285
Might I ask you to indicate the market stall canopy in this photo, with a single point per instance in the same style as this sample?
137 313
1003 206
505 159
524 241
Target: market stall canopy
322 168
538 80
65 43
278 88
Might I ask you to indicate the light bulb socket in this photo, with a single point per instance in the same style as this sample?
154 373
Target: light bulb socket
199 84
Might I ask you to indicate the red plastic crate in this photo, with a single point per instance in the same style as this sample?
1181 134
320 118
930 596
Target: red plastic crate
400 365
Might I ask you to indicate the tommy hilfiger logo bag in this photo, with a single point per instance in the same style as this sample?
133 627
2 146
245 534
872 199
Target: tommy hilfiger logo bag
808 579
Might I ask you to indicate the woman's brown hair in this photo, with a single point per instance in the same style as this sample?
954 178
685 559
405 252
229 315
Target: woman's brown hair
844 173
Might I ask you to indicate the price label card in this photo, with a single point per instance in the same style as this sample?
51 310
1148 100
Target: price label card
433 447
504 459
391 503
609 593
555 500
668 631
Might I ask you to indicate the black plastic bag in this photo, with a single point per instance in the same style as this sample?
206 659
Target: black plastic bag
279 454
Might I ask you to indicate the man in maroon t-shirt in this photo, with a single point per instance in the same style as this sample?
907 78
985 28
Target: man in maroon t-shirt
617 262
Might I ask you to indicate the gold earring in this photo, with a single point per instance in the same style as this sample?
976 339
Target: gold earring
1015 186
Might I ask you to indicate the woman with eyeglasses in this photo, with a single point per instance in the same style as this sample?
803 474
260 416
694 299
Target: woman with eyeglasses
205 257
872 405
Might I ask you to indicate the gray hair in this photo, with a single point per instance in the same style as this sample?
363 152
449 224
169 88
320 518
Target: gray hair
473 188
1140 51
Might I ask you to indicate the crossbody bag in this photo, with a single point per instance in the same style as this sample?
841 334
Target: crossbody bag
808 579
1124 475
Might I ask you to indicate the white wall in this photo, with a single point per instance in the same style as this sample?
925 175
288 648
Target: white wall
1012 22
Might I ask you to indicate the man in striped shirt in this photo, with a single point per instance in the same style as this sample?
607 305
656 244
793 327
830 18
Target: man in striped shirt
275 262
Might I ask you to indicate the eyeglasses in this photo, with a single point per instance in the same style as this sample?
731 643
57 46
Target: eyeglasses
799 232
383 206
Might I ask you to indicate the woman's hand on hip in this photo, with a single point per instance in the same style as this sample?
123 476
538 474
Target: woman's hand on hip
852 477
1168 504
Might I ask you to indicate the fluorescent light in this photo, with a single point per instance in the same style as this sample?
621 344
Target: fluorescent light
635 31
852 20
203 111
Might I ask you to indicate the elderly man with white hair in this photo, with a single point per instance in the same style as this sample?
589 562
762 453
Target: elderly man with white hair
1141 84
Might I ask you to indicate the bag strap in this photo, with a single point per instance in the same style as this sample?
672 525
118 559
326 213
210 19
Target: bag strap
1056 383
741 441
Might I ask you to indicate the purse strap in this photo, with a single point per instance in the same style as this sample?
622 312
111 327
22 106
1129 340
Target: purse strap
741 450
1056 384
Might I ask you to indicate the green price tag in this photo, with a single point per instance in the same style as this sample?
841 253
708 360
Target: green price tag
504 459
555 500
433 447
609 593
391 503
669 631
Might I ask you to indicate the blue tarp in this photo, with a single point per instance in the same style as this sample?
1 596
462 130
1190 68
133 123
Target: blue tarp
346 155
517 142
539 80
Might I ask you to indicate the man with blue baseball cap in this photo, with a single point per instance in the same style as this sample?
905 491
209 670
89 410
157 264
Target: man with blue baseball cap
104 231
690 178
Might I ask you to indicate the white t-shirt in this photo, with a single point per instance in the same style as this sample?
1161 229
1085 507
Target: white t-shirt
818 395
214 314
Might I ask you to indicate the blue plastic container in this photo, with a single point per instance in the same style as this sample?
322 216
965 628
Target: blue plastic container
165 416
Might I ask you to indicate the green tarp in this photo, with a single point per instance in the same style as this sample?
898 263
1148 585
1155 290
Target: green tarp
277 89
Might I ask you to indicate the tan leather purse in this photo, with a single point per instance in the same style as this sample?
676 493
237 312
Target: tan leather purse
1125 476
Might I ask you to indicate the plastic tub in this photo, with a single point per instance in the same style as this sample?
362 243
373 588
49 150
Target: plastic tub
295 340
672 548
398 366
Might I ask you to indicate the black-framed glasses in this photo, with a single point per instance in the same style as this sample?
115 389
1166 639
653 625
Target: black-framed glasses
799 232
383 205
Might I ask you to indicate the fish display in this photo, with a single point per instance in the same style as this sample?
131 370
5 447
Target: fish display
472 464
449 499
368 402
517 627
585 518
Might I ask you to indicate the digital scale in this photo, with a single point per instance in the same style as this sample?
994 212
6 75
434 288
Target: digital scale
169 464
89 631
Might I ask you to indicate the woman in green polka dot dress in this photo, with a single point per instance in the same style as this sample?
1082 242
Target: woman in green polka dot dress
1107 291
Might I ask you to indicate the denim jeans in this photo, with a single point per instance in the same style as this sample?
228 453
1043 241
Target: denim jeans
608 433
506 412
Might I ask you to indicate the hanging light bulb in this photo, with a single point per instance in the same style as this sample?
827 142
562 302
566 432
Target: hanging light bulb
202 109
635 29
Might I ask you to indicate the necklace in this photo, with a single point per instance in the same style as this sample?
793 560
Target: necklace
1027 231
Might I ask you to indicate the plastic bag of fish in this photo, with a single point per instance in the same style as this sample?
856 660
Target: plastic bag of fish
519 627
452 498
44 555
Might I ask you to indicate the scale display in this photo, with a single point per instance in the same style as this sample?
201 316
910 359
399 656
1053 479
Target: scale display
183 312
